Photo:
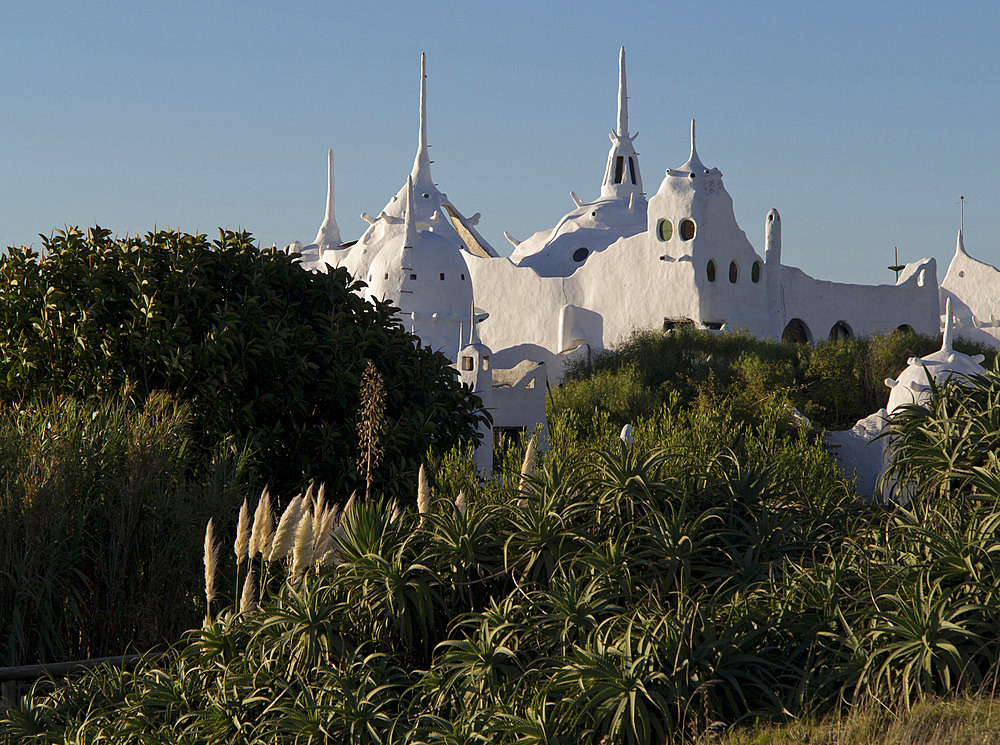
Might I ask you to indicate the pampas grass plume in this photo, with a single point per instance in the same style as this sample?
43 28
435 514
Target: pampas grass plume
302 552
528 465
242 545
257 534
460 502
423 494
284 536
248 601
267 529
211 562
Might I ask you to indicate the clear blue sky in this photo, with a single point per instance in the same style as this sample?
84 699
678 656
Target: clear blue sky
862 123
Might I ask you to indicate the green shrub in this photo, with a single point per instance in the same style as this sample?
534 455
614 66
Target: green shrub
266 352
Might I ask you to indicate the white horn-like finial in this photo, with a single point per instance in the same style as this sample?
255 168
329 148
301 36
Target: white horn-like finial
422 163
622 96
960 242
949 331
329 232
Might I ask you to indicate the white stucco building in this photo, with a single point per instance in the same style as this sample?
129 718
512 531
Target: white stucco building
611 266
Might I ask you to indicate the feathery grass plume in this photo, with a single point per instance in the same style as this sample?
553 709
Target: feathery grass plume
323 538
460 502
257 532
267 528
248 601
211 563
396 513
320 511
284 536
302 551
371 423
242 545
528 465
423 494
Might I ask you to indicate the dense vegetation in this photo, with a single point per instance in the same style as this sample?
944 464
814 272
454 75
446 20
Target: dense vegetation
833 383
268 356
716 571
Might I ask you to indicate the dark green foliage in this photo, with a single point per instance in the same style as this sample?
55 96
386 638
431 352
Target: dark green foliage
100 546
834 383
266 353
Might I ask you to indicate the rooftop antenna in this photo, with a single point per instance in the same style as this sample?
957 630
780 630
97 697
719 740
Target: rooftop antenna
897 267
961 200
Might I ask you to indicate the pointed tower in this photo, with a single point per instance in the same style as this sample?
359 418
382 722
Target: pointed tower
328 236
474 371
621 177
421 173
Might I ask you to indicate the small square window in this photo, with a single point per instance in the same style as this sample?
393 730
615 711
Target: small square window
413 276
486 363
467 363
463 277
387 275
442 275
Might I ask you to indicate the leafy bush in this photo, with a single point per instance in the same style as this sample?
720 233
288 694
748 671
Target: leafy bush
265 352
834 383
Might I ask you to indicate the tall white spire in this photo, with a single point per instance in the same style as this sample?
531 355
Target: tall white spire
329 233
421 173
949 332
621 175
960 243
622 96
694 164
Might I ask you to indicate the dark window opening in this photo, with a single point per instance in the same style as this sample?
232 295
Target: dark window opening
733 272
905 329
714 325
619 167
710 270
755 272
387 275
669 324
413 276
462 276
840 331
631 168
687 229
580 254
442 275
507 447
467 363
796 332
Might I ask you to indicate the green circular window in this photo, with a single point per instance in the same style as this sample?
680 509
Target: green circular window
665 230
755 272
710 270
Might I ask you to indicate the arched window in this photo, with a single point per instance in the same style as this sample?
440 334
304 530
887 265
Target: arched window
841 330
796 332
664 230
755 272
734 272
905 329
687 229
710 270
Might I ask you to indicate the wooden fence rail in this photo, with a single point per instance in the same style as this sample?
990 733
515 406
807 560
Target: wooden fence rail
11 676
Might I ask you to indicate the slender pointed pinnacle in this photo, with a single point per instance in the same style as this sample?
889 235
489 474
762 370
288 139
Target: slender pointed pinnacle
422 162
410 226
622 97
960 242
694 152
329 231
472 321
946 338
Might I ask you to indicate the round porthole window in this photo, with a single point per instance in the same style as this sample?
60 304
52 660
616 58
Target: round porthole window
755 272
687 229
710 270
580 254
426 195
665 230
734 272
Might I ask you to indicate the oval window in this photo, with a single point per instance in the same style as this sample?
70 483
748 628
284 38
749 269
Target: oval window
710 270
687 229
733 272
665 230
755 272
580 254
